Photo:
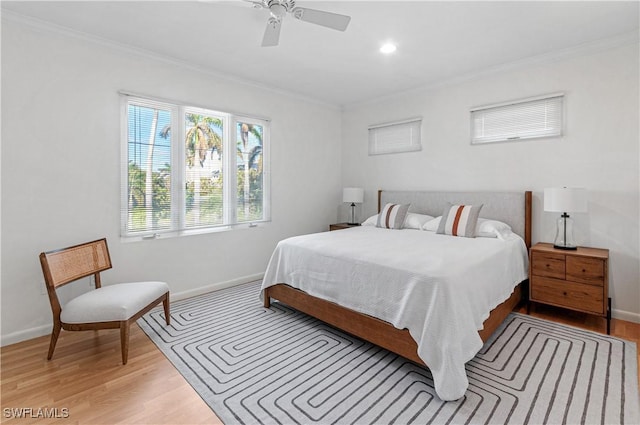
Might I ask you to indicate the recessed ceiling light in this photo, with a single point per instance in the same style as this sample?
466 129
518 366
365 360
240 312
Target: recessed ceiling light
388 48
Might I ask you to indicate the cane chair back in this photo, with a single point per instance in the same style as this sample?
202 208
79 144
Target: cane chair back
66 265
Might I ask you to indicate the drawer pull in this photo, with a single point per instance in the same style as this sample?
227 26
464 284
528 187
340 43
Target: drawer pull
583 270
564 293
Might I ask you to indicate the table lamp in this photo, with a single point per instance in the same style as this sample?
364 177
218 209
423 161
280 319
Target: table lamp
355 195
565 200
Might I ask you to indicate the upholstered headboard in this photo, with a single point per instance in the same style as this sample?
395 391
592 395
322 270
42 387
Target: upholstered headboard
513 208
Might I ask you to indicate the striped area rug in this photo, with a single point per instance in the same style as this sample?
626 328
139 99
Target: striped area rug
257 365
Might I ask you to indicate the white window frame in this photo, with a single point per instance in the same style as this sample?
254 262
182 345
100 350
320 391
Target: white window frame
178 166
545 104
266 179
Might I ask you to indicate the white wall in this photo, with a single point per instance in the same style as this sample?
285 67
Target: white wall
61 169
599 151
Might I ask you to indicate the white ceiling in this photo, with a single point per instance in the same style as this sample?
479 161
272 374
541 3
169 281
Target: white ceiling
437 41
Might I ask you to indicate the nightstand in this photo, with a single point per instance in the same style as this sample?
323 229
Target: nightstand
340 226
574 279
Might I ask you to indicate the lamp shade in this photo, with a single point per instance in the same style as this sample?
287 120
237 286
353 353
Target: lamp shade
565 199
353 194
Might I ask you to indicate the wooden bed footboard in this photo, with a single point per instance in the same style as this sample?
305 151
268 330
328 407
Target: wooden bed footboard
369 328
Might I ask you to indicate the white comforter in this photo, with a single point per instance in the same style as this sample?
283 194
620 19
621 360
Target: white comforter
441 288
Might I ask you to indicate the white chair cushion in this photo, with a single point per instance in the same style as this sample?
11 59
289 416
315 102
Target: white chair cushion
112 302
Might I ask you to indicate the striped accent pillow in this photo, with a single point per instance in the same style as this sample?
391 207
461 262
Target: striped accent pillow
392 216
460 220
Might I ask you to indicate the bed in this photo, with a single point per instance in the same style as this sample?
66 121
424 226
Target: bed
426 308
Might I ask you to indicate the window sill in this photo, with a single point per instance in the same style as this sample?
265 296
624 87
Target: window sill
192 232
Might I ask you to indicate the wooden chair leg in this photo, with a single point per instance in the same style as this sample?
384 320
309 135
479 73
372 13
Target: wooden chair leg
54 338
124 340
167 313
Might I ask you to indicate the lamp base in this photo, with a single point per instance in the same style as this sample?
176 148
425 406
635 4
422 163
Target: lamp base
353 214
564 234
566 247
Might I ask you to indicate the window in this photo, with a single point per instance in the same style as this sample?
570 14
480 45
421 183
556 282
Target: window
401 136
524 119
188 170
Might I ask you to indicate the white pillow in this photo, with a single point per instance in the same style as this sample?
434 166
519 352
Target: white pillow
416 221
492 229
413 221
484 229
371 221
432 225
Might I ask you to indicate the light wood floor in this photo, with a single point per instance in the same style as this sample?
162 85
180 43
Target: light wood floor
86 377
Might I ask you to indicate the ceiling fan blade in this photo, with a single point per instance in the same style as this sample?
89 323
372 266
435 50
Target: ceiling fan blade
319 17
271 33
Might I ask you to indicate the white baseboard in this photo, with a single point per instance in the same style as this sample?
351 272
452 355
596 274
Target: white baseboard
26 334
42 330
625 315
176 296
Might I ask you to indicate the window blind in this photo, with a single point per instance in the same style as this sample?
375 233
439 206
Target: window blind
525 119
147 188
401 136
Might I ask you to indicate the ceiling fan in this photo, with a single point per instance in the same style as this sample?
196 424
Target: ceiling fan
279 8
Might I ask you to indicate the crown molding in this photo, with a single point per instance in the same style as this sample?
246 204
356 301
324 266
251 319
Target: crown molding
551 57
39 24
584 49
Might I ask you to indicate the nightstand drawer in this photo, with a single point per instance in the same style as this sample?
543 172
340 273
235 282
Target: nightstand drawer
585 270
577 296
548 264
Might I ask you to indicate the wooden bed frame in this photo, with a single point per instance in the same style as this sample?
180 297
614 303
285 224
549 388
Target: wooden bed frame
378 331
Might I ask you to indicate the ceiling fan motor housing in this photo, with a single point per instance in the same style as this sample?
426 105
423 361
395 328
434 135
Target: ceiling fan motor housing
279 8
